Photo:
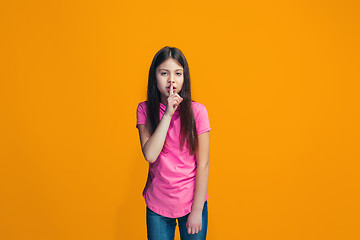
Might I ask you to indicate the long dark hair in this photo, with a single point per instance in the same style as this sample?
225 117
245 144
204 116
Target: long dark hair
188 125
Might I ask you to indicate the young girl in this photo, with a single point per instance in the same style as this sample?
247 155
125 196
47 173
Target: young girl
175 140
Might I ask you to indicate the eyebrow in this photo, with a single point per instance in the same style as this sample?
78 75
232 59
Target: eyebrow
168 70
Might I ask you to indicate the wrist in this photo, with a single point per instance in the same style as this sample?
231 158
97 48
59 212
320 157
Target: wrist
196 211
167 116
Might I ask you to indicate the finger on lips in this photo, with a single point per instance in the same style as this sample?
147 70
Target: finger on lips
171 90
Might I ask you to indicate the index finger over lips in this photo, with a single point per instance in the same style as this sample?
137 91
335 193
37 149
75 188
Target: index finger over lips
171 90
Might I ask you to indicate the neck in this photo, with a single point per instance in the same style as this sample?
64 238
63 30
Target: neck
163 100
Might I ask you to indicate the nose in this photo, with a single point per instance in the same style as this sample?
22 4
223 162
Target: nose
171 78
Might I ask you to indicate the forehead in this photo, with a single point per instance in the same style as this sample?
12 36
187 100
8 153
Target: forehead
170 64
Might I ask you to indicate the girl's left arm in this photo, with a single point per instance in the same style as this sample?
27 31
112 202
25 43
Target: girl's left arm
194 223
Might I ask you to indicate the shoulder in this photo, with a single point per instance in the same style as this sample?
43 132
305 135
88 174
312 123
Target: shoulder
141 105
198 108
141 108
201 118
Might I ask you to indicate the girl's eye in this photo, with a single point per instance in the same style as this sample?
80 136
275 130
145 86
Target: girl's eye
179 74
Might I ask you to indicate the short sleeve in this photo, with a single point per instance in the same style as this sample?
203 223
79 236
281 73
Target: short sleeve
141 114
202 120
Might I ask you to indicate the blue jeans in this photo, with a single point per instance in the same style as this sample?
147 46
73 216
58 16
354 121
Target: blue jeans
163 228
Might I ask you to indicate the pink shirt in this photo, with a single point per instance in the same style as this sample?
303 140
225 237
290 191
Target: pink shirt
170 186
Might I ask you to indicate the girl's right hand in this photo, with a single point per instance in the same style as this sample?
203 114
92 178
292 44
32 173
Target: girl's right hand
174 101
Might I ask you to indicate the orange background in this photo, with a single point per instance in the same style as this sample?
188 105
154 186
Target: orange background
280 80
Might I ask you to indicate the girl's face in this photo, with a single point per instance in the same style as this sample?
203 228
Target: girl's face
169 71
